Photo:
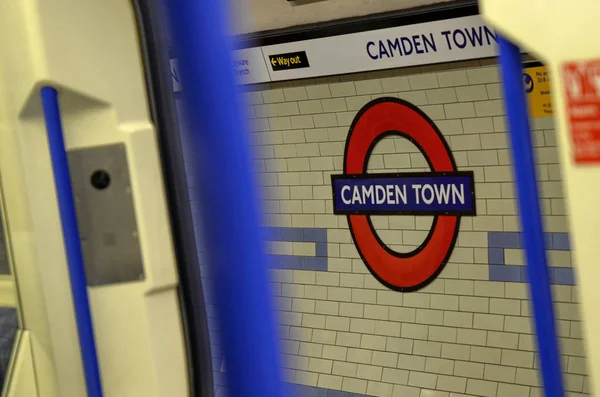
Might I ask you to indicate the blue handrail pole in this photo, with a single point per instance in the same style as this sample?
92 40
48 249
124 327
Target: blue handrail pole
531 220
68 219
222 167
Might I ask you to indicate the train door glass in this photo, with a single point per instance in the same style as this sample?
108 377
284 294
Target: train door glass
9 319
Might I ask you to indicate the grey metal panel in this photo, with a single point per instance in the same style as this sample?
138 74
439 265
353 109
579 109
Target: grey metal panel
106 215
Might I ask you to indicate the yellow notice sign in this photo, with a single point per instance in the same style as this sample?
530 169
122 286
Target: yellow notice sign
537 87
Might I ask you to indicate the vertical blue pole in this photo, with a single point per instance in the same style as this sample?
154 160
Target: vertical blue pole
531 220
222 167
68 219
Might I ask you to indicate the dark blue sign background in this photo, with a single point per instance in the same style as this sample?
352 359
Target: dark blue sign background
444 189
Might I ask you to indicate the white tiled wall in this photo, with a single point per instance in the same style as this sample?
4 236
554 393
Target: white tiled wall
461 335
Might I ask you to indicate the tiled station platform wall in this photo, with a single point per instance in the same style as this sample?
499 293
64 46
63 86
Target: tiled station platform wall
470 331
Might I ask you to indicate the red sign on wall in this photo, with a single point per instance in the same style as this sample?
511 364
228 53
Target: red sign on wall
582 95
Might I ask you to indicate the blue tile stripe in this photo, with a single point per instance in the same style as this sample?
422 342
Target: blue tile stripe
295 390
554 241
296 234
500 271
318 236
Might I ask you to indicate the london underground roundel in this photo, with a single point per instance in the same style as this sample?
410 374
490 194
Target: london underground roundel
443 192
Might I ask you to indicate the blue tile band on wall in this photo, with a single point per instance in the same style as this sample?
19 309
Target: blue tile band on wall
500 271
497 243
318 236
303 391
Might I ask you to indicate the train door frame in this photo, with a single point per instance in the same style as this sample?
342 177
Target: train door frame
153 38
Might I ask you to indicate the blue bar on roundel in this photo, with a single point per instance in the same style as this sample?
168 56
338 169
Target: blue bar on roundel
404 194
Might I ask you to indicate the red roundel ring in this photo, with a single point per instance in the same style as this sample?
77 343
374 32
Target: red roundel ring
391 116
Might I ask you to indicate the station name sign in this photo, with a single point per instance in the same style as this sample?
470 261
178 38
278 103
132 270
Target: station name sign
404 194
446 40
444 192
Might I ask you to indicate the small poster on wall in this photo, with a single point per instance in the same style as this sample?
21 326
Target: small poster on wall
537 88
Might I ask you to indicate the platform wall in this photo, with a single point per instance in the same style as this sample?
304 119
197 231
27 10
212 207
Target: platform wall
470 331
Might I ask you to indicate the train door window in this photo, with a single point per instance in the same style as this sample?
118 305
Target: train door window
9 318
